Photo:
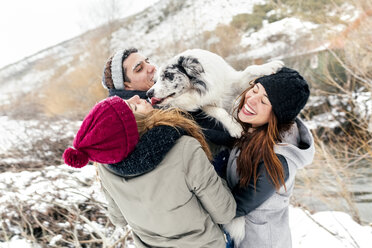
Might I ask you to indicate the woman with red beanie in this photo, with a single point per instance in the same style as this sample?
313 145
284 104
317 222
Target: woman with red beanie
155 173
262 166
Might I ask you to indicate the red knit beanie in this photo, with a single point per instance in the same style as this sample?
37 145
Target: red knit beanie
107 135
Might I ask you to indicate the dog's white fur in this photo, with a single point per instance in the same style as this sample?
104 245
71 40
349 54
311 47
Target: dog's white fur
201 79
236 229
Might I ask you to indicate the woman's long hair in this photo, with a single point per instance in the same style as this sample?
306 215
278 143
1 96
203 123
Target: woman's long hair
175 118
257 146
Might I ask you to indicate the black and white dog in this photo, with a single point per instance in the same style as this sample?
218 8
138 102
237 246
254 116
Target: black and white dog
199 79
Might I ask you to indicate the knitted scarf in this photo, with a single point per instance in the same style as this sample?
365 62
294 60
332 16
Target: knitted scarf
149 152
126 94
213 130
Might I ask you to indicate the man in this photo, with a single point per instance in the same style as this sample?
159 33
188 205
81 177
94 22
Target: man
128 73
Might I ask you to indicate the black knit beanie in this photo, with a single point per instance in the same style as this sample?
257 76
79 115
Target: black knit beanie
287 91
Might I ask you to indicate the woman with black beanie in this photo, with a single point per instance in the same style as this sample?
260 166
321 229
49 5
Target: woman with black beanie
262 166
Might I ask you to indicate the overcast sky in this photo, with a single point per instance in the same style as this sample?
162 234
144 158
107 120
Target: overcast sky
28 26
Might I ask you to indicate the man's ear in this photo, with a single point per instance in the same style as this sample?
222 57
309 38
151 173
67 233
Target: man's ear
127 85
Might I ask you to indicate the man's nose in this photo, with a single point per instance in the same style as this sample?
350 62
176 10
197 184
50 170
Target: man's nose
151 68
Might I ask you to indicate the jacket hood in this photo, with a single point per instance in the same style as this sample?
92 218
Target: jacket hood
297 145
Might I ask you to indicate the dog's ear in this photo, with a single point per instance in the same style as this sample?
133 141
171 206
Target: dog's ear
191 65
194 71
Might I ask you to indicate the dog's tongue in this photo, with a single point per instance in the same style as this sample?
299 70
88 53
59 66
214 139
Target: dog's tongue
155 100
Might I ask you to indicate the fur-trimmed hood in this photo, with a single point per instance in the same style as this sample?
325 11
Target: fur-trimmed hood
297 145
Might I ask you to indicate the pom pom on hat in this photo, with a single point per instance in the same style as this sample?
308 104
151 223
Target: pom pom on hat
107 135
75 158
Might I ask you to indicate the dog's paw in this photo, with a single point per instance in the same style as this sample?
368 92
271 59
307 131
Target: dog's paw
235 129
255 71
236 229
274 66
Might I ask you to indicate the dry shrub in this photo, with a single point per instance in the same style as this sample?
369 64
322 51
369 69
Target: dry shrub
73 225
73 93
357 47
29 105
25 106
254 20
58 207
317 11
328 181
46 63
41 142
344 153
224 40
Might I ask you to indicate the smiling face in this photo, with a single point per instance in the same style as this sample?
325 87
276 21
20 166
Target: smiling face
139 71
139 105
257 107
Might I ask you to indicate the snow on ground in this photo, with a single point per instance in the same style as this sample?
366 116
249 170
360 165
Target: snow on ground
184 20
327 229
14 132
16 242
39 189
363 108
261 43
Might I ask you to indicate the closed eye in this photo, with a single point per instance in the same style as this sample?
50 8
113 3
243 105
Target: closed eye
265 100
132 107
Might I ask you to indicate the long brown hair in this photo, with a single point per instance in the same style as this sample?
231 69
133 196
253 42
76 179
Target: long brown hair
257 146
175 118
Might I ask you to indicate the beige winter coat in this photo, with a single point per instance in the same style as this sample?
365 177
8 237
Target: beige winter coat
175 205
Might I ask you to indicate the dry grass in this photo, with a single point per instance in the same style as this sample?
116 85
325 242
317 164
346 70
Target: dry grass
343 151
76 90
73 94
83 224
38 143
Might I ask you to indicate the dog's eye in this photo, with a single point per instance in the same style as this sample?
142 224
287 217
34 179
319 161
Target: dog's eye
168 75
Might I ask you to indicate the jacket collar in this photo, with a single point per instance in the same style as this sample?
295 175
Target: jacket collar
126 94
149 152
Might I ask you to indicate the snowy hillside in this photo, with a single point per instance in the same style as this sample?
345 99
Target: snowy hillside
155 31
43 201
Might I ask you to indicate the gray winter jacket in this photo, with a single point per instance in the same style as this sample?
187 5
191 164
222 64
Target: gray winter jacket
177 204
267 225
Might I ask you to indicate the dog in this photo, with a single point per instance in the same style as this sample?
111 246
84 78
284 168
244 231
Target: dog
199 79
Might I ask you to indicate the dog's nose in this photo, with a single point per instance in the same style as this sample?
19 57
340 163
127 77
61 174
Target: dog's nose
150 93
